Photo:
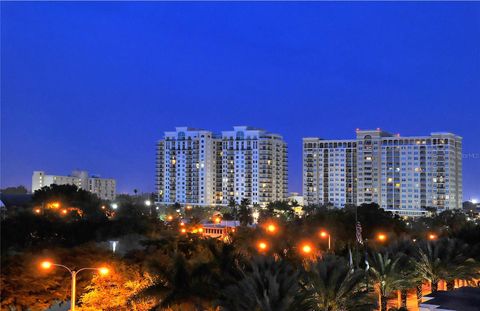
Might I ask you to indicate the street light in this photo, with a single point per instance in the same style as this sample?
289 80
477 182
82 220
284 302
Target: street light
48 264
381 237
114 205
432 237
324 235
148 203
262 246
306 248
271 228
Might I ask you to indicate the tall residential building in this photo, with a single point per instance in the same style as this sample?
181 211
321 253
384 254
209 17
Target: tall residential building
186 171
254 166
402 174
104 188
196 167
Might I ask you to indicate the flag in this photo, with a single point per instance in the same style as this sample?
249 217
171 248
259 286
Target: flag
358 231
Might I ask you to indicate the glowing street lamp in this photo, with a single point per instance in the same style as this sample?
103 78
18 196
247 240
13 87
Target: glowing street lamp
169 217
432 237
217 220
183 230
54 205
148 202
47 265
37 211
271 228
262 246
324 235
381 237
306 249
114 205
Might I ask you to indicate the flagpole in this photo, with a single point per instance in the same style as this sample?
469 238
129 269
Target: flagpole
356 239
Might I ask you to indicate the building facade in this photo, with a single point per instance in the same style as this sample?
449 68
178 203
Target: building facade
186 167
104 188
254 166
401 174
197 167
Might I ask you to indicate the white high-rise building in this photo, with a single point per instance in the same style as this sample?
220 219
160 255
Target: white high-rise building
254 166
402 174
196 167
186 167
104 188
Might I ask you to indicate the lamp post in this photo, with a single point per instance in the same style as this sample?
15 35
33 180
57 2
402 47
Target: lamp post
325 234
47 265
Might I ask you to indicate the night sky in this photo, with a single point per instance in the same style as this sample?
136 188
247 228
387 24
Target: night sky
94 85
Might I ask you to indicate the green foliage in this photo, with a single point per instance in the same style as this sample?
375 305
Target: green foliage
24 285
330 284
267 285
189 272
245 213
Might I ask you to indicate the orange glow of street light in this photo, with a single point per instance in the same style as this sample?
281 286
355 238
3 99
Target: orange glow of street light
381 237
271 228
64 211
262 246
200 230
306 249
37 211
217 220
54 205
46 265
182 224
323 234
183 230
432 236
170 217
103 270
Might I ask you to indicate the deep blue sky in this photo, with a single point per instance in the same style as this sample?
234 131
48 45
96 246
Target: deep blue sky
94 85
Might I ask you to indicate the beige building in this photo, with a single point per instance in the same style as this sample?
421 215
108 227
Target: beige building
197 167
104 188
401 174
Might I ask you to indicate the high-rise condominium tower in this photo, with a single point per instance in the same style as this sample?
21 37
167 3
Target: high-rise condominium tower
402 174
254 166
196 167
186 167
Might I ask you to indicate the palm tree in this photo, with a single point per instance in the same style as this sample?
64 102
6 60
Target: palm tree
331 285
405 251
457 264
385 272
245 213
445 259
182 284
233 208
429 264
266 285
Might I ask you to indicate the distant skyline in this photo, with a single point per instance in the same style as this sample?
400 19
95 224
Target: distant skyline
93 85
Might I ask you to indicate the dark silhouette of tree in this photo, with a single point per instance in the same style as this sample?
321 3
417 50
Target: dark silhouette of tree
14 190
245 213
330 284
266 285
